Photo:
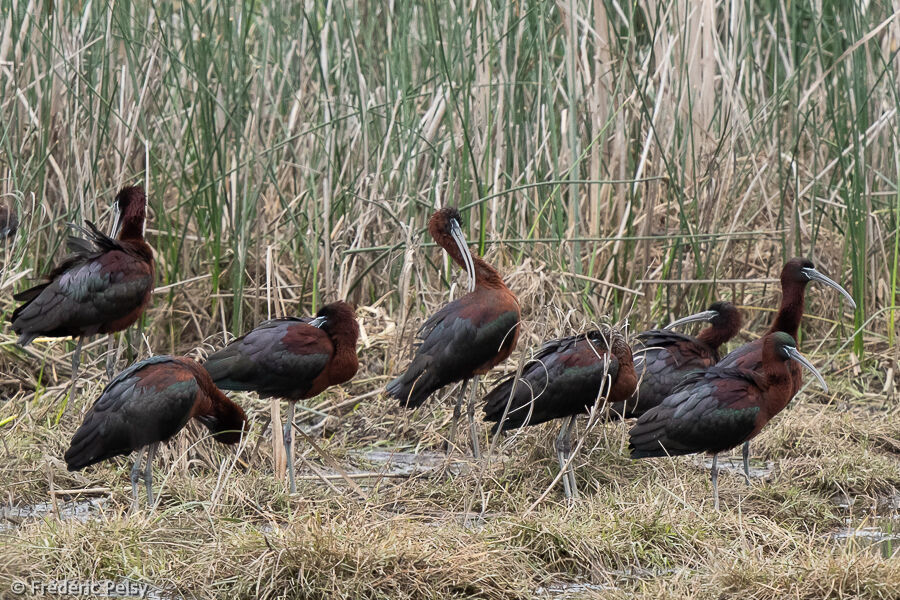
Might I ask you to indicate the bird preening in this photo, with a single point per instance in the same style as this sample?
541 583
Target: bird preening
666 356
565 378
146 404
683 395
103 286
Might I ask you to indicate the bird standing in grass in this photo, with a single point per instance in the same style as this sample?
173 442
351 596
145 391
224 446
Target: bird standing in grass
102 287
795 275
666 356
564 379
148 403
466 338
720 408
291 358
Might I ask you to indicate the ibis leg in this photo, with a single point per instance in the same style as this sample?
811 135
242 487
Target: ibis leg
746 452
563 451
110 355
135 478
289 447
571 470
561 457
714 473
148 474
457 410
473 426
76 363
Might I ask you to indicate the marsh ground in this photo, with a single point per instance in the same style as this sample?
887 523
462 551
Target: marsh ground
614 160
820 520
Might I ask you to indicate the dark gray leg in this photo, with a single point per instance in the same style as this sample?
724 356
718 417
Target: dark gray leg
135 478
714 473
148 474
470 412
110 355
561 458
76 363
457 410
571 473
563 451
288 447
746 452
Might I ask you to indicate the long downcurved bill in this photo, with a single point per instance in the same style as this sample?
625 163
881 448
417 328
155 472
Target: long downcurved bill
706 315
318 322
815 275
458 237
117 221
795 354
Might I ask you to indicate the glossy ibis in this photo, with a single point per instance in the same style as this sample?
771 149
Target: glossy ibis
466 338
564 379
102 287
291 358
718 409
148 403
9 221
667 356
796 273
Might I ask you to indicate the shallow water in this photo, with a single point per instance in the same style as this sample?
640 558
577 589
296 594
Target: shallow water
81 510
879 530
569 591
758 469
883 538
400 463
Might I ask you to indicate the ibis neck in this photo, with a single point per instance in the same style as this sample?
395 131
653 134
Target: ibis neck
485 274
714 336
445 241
791 311
224 414
345 362
133 226
626 378
717 334
779 385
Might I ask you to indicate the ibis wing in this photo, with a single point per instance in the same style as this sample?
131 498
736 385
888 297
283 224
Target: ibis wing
457 341
748 356
709 412
281 357
563 378
84 293
148 402
666 358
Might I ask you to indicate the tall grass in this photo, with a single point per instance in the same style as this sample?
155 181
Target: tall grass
605 140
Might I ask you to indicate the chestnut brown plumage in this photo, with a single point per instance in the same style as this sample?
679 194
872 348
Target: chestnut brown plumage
466 338
722 407
663 357
563 380
104 286
148 403
291 358
795 275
